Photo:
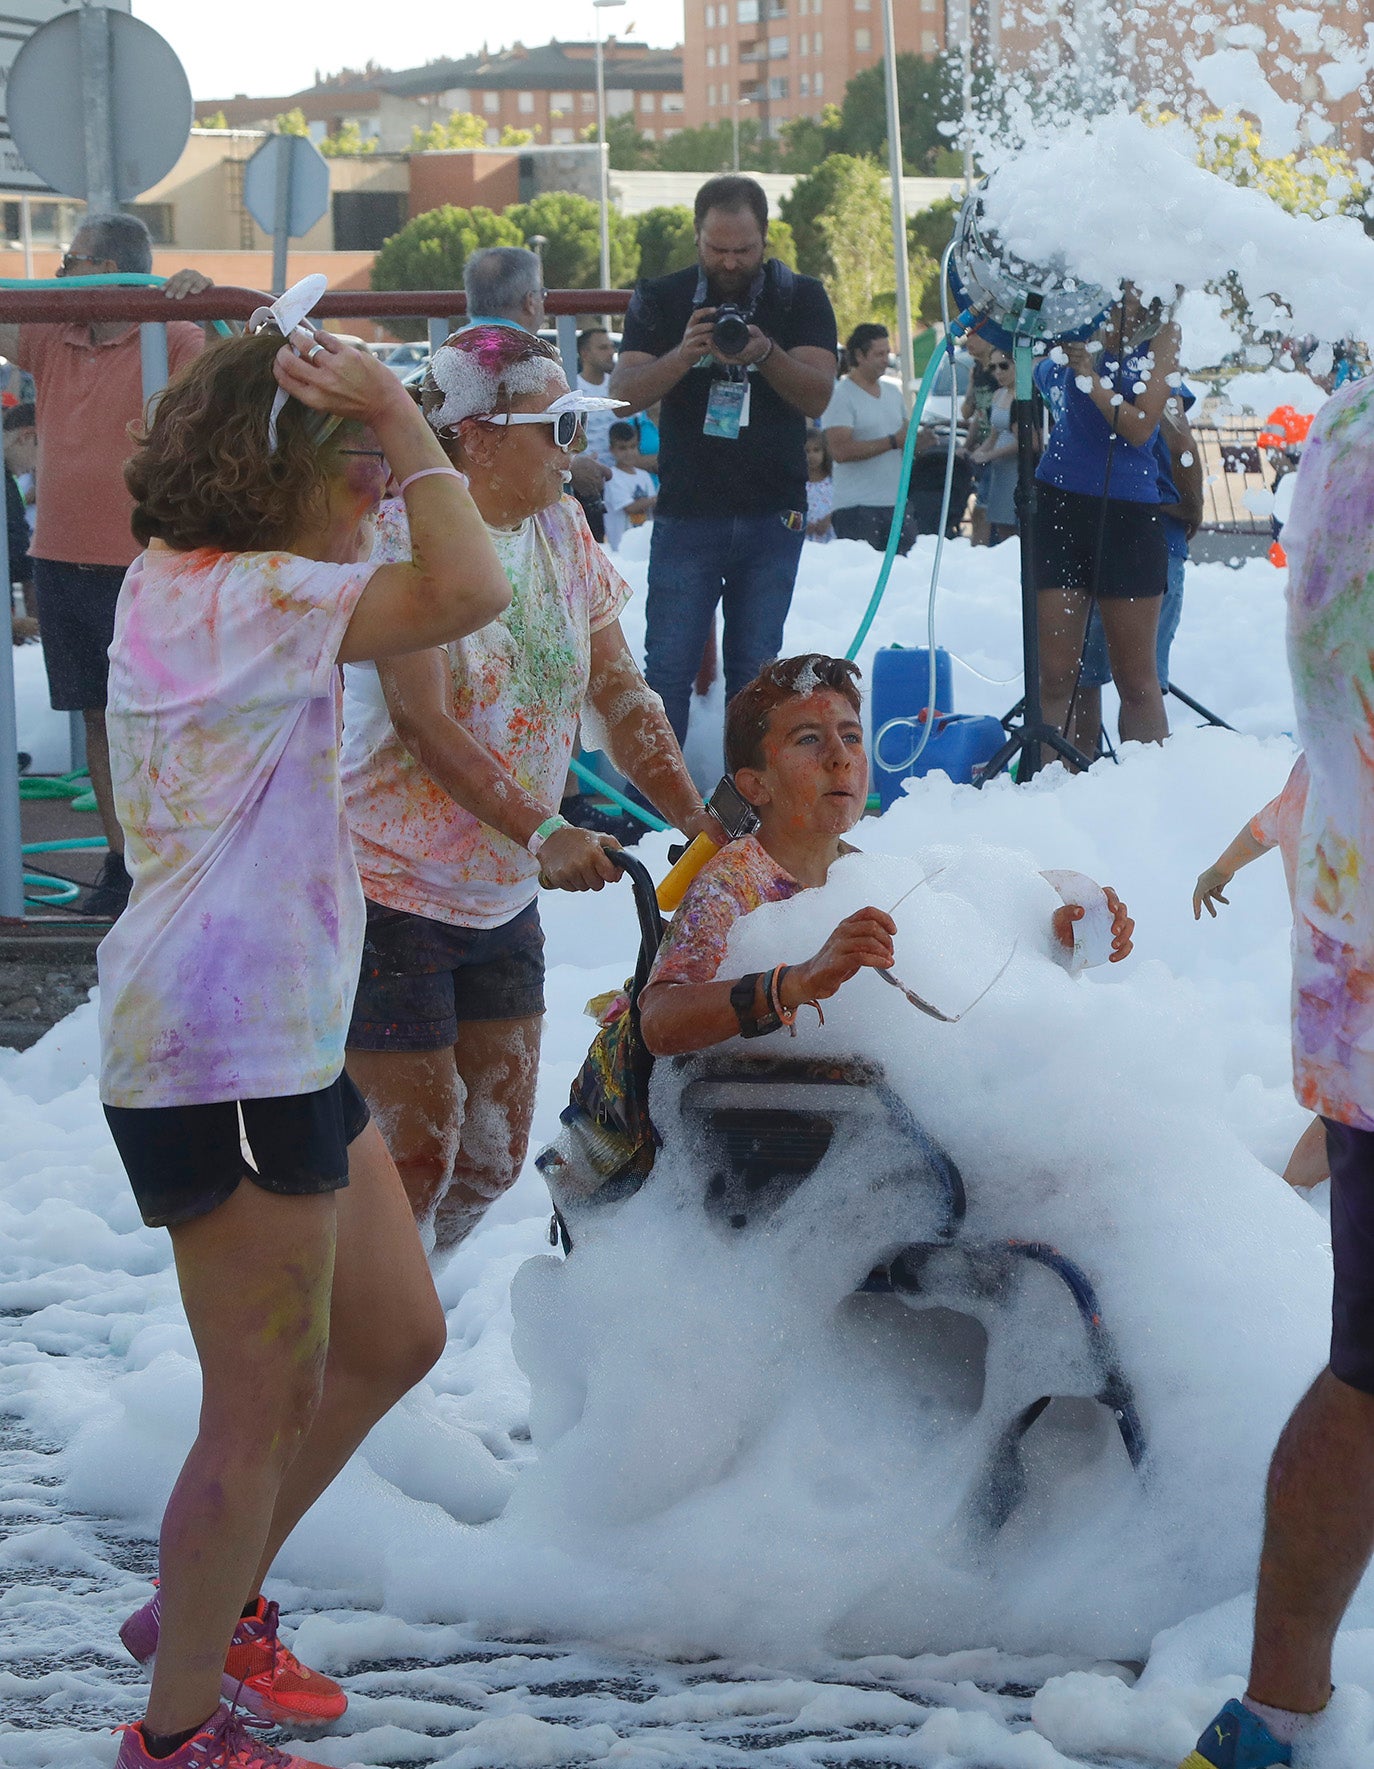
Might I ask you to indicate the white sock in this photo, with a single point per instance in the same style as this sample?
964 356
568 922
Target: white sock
1286 1724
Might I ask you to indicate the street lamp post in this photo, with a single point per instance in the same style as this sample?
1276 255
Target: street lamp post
603 155
899 253
738 102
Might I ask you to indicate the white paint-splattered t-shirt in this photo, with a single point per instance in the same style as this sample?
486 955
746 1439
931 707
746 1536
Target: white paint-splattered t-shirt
1329 539
519 684
231 973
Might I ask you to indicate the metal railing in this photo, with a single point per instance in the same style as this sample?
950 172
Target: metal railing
151 311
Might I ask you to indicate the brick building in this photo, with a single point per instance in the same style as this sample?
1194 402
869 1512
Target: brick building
549 89
773 60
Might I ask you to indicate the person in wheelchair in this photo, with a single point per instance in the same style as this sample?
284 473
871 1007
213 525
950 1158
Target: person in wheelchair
794 746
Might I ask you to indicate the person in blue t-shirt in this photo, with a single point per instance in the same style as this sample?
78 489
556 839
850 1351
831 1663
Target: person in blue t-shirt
1181 489
1098 527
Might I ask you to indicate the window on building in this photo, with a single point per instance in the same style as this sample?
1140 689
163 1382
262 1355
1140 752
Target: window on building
724 95
672 103
803 7
562 137
457 98
491 102
777 86
818 84
725 55
816 49
779 48
805 86
524 103
863 5
710 18
710 95
493 136
929 43
863 39
929 5
646 101
747 12
560 101
157 218
588 104
710 55
620 101
723 14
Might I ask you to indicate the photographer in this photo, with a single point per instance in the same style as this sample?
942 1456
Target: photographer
741 351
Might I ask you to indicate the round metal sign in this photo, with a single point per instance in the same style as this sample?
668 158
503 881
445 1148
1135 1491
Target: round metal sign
149 102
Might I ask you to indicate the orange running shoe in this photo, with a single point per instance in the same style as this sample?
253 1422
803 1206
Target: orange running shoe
225 1741
261 1674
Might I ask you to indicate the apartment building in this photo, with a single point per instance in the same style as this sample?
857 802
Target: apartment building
773 60
549 89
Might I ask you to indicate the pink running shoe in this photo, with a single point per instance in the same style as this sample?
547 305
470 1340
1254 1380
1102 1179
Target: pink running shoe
261 1674
225 1741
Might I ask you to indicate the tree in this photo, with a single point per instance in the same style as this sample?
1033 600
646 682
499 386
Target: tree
927 234
781 244
291 122
806 141
571 225
712 148
842 224
458 129
512 137
928 95
430 252
627 148
217 121
348 139
1313 181
667 239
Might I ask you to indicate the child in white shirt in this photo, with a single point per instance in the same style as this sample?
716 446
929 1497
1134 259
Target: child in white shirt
629 493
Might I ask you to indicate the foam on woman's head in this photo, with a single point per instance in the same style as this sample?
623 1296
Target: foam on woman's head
476 371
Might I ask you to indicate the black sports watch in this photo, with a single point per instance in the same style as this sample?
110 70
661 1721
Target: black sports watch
742 1000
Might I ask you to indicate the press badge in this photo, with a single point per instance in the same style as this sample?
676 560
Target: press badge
727 409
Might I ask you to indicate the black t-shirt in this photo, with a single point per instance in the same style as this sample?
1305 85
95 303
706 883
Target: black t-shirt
764 468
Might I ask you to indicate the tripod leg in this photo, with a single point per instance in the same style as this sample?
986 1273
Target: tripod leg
1197 707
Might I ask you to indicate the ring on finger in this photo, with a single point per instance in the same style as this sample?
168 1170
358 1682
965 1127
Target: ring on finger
314 351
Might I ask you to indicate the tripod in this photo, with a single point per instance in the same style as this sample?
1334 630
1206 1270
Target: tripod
1024 740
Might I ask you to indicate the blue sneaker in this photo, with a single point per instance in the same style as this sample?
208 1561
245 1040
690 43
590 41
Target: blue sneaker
1237 1739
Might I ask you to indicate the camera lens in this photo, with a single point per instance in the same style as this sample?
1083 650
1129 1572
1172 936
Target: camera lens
730 333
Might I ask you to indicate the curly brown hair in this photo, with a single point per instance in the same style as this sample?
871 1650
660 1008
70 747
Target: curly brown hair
202 475
788 678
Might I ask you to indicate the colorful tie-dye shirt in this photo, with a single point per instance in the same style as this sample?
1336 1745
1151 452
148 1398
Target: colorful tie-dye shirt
1329 539
1279 824
231 973
519 685
737 879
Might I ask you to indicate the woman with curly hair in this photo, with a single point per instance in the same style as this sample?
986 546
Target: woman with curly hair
225 988
454 766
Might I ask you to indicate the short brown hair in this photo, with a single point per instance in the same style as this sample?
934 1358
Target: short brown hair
202 475
790 678
732 194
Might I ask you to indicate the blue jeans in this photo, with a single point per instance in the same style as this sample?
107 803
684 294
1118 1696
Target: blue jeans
746 563
1097 671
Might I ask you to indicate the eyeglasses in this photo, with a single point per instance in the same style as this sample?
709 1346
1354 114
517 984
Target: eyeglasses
70 258
999 368
566 425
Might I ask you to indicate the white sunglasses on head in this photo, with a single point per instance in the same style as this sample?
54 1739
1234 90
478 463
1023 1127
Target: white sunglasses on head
565 424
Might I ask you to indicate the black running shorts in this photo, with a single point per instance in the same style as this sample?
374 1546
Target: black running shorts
1351 1153
185 1161
1135 547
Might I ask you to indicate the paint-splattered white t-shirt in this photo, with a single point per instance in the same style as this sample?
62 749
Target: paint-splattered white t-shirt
1329 539
519 684
231 973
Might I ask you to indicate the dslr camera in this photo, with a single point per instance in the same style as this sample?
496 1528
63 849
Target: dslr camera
730 329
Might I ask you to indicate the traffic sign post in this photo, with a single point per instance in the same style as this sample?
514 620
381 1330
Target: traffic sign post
99 106
18 22
286 191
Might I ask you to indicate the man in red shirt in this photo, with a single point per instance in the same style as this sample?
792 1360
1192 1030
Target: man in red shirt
89 391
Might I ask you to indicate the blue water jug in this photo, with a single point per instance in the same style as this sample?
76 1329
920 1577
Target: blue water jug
901 687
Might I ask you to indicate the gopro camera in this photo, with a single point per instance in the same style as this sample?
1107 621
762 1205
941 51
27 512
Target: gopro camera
732 809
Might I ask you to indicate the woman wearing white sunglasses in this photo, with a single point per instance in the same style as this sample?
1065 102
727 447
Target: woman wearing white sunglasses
454 766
